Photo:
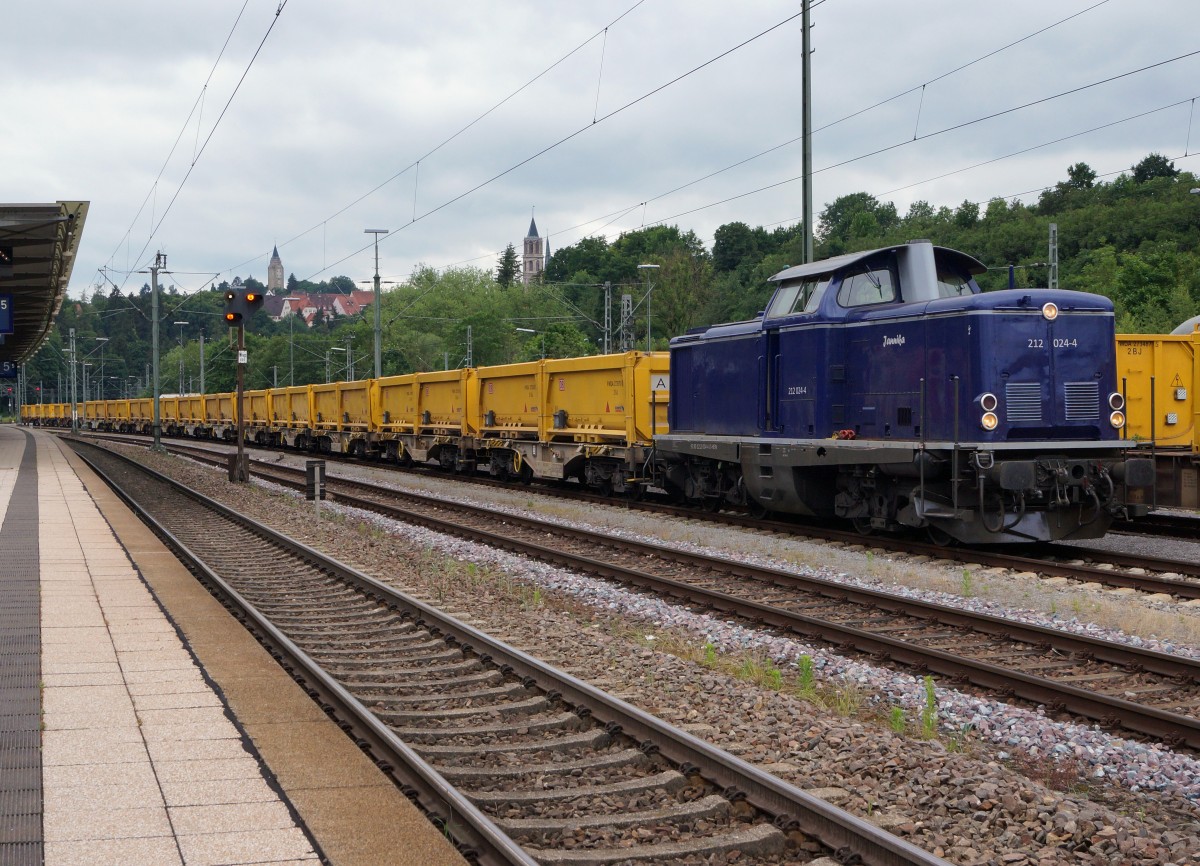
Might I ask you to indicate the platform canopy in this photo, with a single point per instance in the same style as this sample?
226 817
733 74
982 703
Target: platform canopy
38 244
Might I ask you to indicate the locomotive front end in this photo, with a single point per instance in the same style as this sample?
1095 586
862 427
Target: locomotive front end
1037 419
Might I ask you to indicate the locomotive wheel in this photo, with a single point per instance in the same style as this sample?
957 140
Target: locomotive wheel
862 525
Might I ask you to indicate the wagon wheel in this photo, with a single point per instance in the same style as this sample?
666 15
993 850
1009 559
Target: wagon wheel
862 525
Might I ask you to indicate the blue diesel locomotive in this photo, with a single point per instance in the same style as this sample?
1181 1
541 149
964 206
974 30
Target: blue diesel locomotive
885 388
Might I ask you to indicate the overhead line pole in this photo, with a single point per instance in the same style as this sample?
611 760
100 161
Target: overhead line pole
160 261
806 131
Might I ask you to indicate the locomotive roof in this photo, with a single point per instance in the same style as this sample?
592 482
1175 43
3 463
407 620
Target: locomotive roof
968 263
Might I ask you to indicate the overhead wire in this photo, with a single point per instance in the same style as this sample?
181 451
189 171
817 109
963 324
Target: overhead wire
154 229
620 213
393 233
182 130
416 162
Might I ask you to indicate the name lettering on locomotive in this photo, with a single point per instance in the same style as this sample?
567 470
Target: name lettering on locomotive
897 340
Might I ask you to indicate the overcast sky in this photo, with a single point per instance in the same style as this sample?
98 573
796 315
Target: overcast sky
343 96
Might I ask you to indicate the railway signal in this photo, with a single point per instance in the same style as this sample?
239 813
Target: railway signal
240 305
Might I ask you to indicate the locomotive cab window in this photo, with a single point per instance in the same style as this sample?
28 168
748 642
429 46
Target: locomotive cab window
952 284
864 287
799 297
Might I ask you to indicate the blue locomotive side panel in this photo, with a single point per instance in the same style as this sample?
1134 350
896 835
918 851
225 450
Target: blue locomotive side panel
720 378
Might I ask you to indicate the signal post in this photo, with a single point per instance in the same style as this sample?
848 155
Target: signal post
240 305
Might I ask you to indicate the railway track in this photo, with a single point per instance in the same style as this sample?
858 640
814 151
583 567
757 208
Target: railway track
519 762
1164 525
1049 560
1142 691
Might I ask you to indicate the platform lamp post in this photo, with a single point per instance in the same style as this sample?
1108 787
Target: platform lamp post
649 289
533 331
291 350
180 324
378 326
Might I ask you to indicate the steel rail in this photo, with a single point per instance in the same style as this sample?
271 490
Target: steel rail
1117 712
850 837
968 555
459 816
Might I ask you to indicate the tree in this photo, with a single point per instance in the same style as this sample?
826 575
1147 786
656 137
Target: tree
732 243
1154 165
508 268
1080 176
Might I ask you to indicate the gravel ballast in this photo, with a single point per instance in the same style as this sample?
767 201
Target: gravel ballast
973 794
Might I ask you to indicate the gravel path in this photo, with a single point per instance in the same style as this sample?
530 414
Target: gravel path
998 784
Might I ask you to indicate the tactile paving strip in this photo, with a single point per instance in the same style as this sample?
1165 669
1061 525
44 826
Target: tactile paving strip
20 671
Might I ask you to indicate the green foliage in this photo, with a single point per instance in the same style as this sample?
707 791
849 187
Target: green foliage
929 711
805 679
508 268
1135 239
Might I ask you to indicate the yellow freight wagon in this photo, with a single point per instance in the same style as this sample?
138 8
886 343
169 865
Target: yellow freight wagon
168 415
93 411
607 398
120 415
354 401
191 410
1159 376
141 412
325 406
510 400
222 408
291 407
441 401
394 402
258 407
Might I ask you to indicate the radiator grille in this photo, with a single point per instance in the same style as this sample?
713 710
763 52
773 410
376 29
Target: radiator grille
1023 401
1083 401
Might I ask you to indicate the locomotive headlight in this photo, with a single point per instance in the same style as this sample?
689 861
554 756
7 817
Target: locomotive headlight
989 421
988 402
1117 419
1050 311
1116 400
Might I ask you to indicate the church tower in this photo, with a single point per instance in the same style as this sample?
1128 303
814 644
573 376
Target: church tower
275 273
533 262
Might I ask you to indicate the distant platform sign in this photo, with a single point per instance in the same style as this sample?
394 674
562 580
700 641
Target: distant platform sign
6 314
8 370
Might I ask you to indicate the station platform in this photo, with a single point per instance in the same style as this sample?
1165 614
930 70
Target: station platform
139 722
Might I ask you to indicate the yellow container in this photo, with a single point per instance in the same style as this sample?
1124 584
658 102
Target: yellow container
442 402
93 410
1173 363
119 411
607 398
394 402
510 400
292 407
222 408
354 404
325 406
258 407
168 410
142 410
191 408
